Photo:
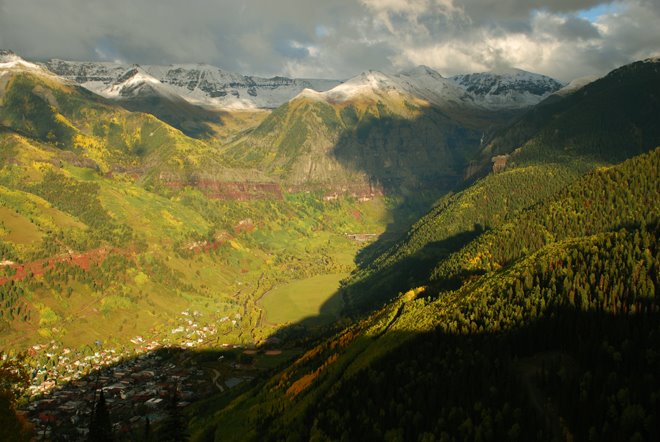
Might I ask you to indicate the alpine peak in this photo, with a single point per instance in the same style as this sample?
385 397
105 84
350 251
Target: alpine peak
9 59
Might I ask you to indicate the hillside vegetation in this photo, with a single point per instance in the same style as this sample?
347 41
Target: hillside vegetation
554 343
110 226
360 144
550 146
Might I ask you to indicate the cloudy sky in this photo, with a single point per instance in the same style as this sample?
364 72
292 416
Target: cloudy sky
339 38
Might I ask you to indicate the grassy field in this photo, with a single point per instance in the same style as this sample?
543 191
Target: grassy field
304 298
17 228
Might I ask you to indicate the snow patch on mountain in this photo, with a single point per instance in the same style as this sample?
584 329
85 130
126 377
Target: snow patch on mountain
310 94
128 82
137 83
428 84
576 85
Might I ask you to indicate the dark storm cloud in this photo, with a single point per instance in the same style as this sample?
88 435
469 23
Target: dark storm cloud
291 49
338 38
234 35
575 28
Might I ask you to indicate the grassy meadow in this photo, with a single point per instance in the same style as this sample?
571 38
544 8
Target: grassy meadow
310 297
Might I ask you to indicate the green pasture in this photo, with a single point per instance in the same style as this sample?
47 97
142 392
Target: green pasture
301 299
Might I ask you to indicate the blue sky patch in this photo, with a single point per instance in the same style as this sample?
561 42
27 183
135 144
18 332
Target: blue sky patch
592 14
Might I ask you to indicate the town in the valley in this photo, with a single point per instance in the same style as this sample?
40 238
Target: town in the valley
140 385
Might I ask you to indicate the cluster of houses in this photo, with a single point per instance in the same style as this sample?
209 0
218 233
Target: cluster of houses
57 365
136 382
134 390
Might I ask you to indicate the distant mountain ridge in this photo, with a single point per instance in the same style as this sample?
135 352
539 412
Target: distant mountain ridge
348 136
507 89
421 82
197 83
208 85
513 89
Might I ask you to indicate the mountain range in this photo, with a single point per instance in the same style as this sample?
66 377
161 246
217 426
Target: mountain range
210 86
331 138
389 257
199 84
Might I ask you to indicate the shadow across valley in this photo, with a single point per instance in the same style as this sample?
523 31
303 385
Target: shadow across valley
555 378
402 274
194 121
359 297
567 374
412 161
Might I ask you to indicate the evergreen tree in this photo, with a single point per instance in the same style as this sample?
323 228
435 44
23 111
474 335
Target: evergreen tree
100 428
147 429
174 427
13 380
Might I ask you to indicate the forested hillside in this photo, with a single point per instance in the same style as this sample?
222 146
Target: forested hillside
558 346
551 340
607 199
610 119
545 150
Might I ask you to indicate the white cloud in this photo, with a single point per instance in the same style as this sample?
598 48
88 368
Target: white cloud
554 40
342 37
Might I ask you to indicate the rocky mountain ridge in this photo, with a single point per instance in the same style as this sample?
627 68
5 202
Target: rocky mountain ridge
197 83
207 85
514 89
507 89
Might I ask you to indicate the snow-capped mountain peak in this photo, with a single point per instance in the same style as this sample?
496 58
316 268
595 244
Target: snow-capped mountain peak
418 83
367 84
421 71
136 82
507 88
9 60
